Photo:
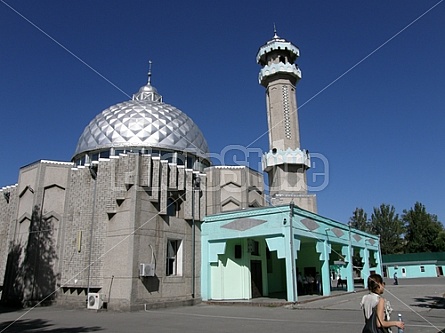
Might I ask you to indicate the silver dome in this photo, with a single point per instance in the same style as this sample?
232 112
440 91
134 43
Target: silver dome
146 122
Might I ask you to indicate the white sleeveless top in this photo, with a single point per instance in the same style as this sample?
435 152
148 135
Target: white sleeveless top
368 303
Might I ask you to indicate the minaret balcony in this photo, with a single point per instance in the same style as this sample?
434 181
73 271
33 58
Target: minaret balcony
269 70
290 156
277 45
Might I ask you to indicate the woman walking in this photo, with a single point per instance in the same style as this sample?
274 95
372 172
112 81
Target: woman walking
376 309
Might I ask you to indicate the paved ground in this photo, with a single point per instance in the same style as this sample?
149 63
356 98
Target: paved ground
420 301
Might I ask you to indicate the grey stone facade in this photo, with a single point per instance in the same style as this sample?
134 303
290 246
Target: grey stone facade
31 231
100 223
8 206
233 188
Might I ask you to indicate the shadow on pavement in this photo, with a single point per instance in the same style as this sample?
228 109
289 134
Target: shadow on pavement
39 325
433 302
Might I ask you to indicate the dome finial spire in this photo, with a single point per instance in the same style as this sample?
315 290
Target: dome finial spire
275 31
149 72
148 92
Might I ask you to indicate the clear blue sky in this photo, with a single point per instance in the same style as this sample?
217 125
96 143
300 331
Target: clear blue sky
371 99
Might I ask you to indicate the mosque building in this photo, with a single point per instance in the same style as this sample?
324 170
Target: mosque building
140 218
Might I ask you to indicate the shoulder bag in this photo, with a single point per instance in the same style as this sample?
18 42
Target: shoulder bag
371 324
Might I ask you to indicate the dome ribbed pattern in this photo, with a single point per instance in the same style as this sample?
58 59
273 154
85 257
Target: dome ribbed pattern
142 123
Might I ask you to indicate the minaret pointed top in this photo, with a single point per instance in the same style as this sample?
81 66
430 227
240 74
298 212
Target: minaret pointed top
275 31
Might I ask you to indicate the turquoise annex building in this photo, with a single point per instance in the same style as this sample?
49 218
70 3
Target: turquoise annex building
285 249
258 252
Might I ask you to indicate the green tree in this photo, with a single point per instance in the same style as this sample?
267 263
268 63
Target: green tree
359 220
439 242
386 223
424 233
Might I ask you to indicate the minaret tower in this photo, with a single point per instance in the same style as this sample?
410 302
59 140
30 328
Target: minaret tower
285 162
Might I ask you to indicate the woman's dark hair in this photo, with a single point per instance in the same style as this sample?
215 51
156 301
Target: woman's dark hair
374 282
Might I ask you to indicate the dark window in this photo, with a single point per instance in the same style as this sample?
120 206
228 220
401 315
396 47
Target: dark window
105 154
254 247
174 257
190 161
171 207
180 159
238 251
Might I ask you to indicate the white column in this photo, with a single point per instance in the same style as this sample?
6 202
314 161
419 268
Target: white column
364 253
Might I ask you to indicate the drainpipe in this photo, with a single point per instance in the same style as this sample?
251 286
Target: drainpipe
292 253
196 182
93 176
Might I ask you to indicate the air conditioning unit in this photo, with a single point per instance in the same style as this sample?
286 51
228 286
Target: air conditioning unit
146 269
95 301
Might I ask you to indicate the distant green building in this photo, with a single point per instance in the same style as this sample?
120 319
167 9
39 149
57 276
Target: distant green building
414 265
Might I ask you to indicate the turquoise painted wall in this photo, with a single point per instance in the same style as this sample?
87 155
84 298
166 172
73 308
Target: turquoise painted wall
227 270
231 277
